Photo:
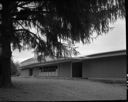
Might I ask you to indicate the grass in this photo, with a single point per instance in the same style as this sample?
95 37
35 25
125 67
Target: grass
42 89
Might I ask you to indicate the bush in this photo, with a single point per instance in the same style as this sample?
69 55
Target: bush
14 69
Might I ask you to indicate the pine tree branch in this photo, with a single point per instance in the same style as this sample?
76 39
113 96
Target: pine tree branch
20 15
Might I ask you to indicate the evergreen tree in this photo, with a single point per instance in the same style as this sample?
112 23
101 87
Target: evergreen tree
54 21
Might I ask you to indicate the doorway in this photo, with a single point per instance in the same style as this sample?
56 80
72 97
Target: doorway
76 69
30 72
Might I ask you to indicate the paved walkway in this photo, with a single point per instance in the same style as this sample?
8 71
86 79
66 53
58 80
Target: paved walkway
33 89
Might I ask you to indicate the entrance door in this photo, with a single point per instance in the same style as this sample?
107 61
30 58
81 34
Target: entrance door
30 72
77 69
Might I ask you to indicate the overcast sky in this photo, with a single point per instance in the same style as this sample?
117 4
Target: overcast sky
112 41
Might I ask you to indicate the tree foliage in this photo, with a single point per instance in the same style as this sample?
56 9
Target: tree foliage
56 21
14 69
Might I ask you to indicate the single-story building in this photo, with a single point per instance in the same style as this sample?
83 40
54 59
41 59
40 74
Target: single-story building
61 68
109 66
106 66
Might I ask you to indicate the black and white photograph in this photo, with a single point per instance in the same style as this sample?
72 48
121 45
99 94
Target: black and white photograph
63 50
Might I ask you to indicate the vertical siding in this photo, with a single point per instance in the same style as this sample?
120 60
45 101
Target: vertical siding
36 72
64 69
48 73
25 72
106 68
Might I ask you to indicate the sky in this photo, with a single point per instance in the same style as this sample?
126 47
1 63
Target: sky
112 41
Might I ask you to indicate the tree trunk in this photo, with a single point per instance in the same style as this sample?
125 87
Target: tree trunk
5 66
5 40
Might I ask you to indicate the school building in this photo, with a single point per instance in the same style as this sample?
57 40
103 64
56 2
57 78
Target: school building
106 66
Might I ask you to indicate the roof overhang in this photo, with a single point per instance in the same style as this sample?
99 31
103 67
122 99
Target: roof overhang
48 63
55 62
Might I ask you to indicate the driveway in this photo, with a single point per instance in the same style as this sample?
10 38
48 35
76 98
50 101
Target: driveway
35 89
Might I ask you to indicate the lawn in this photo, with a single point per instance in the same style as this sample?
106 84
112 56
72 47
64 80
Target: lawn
41 89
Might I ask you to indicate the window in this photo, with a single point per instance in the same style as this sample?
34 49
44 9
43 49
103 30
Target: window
50 68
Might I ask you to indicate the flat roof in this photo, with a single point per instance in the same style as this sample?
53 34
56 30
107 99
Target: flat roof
73 59
119 52
48 63
105 54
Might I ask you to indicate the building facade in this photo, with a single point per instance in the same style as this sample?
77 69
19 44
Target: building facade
110 67
103 66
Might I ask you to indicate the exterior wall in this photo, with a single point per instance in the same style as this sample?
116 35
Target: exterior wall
25 72
48 73
105 68
64 69
35 72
